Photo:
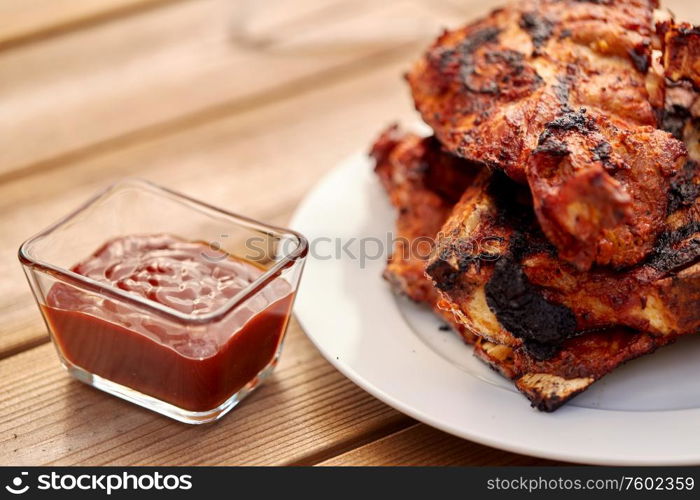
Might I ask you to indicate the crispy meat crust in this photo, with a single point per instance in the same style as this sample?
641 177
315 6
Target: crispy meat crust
423 184
680 47
500 276
581 361
554 93
405 163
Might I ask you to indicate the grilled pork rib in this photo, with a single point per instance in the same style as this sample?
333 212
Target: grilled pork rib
502 278
423 184
415 171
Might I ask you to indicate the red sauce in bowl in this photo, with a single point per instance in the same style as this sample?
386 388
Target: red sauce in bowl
195 367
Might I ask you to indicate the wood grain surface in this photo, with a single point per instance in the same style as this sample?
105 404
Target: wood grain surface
244 108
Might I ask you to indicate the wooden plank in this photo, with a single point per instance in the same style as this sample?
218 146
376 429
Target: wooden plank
105 86
304 410
420 445
258 162
23 21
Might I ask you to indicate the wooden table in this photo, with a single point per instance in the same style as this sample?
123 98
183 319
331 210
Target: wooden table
196 96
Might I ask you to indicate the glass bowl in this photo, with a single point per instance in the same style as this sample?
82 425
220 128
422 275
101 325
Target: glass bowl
189 364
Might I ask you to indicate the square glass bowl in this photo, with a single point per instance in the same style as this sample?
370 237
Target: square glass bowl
188 364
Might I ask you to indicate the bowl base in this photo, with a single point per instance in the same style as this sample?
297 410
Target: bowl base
172 411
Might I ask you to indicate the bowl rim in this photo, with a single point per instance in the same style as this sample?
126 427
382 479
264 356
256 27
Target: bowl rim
297 254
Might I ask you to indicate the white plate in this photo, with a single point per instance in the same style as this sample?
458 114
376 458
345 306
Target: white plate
645 413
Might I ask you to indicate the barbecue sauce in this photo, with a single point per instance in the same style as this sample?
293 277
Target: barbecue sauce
195 367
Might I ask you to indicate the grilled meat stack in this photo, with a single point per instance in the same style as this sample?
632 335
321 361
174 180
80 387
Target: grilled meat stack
559 190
